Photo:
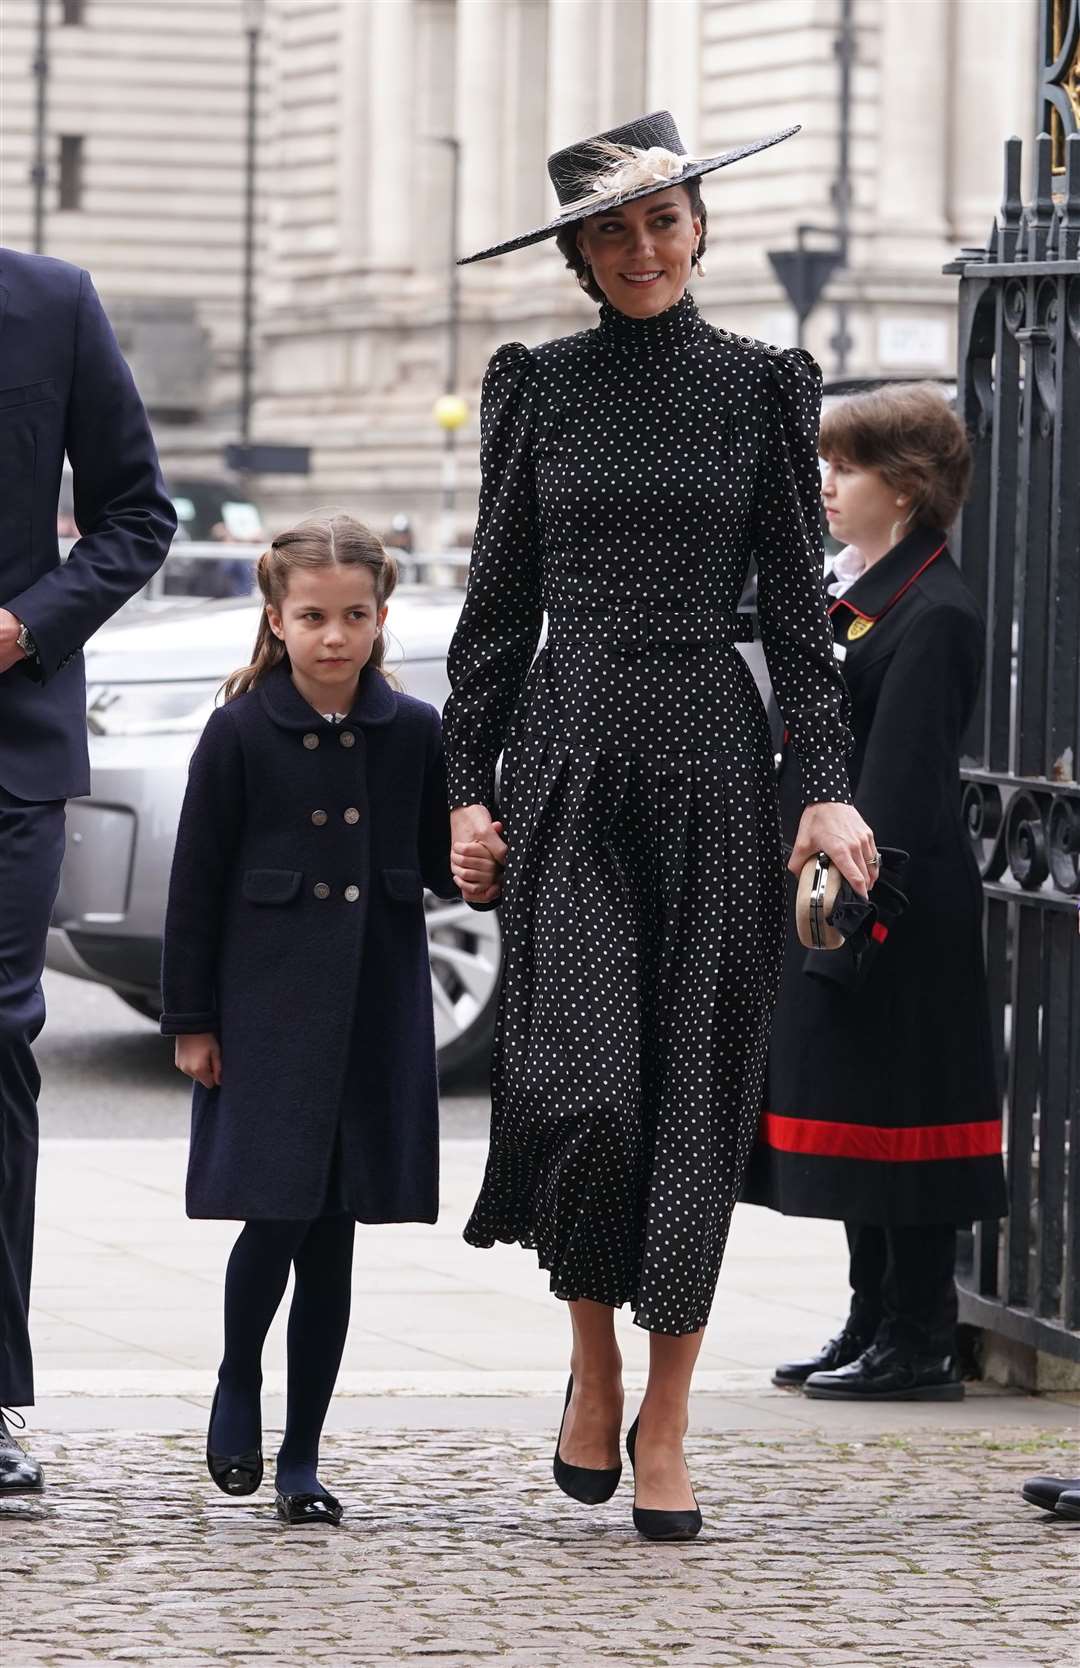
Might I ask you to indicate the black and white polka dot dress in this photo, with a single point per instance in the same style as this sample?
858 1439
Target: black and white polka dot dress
629 474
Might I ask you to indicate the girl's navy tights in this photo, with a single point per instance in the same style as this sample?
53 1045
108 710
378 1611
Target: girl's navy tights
255 1281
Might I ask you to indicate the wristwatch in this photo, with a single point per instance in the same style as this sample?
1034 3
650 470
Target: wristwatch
26 643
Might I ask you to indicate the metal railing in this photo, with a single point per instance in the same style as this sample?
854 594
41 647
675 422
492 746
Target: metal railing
1019 549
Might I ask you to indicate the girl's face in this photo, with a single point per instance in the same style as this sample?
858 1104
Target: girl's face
328 622
861 507
641 253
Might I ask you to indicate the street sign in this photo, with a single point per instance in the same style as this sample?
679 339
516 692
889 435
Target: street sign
263 459
804 274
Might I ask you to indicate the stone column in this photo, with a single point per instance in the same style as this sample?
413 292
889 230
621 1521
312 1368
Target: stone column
575 71
673 63
480 94
378 132
992 96
913 131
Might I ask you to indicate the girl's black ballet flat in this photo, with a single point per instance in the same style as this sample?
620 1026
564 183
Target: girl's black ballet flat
582 1482
662 1526
299 1510
233 1473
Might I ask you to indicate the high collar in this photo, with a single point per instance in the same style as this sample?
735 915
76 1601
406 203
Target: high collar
664 333
374 703
885 581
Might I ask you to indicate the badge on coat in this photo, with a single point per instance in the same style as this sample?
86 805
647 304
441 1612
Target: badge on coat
858 628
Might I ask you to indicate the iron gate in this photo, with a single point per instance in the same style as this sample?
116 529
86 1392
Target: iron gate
1019 549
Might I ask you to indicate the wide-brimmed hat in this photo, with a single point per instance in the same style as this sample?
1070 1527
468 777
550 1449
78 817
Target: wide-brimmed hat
619 166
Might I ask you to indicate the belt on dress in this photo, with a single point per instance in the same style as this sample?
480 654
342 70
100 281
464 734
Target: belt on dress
660 627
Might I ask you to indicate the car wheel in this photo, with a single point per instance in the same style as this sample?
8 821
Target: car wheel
465 949
148 1006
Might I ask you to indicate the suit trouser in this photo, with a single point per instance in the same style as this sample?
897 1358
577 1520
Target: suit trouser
31 851
903 1286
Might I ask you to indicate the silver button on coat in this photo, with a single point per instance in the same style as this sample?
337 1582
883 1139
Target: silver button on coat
311 739
351 814
352 893
348 739
318 818
321 889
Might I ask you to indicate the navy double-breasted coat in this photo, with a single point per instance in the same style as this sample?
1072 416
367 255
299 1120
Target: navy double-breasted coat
882 1104
296 932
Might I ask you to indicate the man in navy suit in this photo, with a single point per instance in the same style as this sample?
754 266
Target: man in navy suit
64 387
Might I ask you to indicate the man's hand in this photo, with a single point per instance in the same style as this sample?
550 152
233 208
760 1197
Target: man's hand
10 652
198 1055
477 854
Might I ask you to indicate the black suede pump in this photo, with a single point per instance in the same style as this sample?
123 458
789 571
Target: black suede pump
582 1482
662 1526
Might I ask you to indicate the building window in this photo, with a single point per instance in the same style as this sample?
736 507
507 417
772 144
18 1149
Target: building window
71 171
74 11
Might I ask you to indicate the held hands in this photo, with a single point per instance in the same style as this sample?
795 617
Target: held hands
10 652
840 832
198 1055
477 854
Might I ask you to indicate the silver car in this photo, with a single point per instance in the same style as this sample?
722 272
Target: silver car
152 676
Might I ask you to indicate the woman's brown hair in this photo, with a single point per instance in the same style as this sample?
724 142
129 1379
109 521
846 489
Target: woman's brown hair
567 244
335 540
913 438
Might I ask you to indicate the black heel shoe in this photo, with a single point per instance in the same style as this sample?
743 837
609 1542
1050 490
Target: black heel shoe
581 1482
233 1473
662 1526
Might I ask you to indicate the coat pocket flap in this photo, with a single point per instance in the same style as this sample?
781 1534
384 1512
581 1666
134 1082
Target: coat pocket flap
271 886
404 884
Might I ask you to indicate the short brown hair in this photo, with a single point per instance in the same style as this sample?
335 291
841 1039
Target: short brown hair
567 244
911 435
322 541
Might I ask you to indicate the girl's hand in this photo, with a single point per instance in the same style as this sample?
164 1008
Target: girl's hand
198 1055
840 832
477 854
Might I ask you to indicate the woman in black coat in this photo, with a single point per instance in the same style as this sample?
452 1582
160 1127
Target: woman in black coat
882 1108
296 979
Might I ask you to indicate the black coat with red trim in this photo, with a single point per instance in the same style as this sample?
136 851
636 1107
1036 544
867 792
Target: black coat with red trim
881 1100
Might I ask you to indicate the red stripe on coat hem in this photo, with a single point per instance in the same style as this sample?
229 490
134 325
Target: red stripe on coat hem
821 1139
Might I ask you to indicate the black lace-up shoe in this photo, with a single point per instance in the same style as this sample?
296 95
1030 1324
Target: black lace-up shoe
846 1346
1044 1491
885 1374
19 1472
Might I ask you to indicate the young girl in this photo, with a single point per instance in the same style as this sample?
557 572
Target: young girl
296 979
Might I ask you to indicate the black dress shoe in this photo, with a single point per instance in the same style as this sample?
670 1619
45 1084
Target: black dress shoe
20 1473
233 1473
1068 1503
884 1374
662 1526
838 1352
1044 1491
583 1482
300 1510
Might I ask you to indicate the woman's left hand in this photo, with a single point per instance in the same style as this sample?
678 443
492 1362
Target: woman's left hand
840 832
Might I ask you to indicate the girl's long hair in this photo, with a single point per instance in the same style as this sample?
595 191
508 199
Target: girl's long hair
323 541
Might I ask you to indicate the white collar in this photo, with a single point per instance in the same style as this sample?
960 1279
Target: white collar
848 566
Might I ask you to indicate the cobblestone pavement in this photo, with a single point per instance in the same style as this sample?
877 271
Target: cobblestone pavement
457 1550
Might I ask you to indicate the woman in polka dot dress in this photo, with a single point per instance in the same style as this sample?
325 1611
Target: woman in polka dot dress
630 473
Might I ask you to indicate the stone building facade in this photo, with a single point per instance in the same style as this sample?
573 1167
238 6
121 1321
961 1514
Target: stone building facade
358 99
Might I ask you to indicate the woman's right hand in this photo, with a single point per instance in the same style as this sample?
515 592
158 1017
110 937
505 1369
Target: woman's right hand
198 1055
475 842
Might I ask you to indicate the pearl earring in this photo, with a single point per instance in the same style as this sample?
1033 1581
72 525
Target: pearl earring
699 263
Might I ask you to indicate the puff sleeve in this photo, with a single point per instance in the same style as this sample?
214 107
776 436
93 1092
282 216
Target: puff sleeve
499 628
795 630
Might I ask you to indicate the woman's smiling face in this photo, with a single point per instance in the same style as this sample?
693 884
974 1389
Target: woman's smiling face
641 253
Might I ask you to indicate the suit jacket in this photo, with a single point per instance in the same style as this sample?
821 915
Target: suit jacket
65 387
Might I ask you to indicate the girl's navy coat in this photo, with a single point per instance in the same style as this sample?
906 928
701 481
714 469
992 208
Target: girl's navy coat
295 932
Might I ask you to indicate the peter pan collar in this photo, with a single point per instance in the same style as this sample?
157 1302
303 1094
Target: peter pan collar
883 584
374 703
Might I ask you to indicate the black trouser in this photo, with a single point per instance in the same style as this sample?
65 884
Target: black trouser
31 851
903 1286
